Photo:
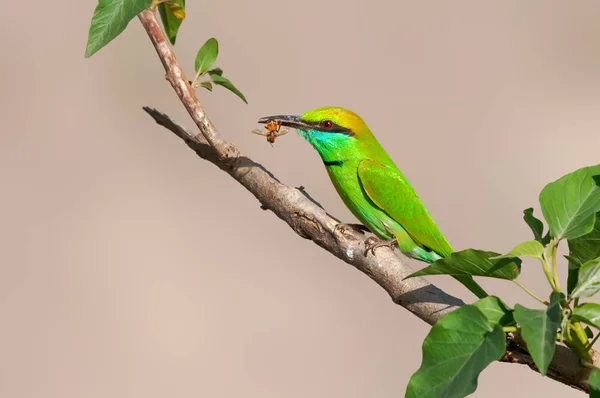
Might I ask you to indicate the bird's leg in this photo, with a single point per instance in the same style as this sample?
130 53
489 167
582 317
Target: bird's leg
359 227
345 228
373 243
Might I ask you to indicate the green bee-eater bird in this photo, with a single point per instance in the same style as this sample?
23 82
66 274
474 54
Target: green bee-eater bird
371 185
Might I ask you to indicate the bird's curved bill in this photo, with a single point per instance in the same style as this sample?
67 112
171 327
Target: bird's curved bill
287 120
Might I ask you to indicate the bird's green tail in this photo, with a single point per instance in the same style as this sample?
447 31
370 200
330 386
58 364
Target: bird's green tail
466 280
470 284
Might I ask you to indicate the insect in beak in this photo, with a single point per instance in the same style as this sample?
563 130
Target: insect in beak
274 130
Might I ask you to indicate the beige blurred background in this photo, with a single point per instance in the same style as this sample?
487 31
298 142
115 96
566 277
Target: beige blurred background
131 268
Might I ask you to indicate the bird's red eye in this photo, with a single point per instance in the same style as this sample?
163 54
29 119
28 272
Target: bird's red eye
327 124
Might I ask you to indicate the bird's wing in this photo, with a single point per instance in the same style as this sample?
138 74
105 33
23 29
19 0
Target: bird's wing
389 190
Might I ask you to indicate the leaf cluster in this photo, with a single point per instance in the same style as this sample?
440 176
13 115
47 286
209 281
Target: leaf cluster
464 342
111 17
206 57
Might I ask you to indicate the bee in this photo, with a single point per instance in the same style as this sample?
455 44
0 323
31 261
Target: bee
274 130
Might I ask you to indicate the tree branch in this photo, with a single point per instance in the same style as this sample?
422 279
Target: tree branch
309 220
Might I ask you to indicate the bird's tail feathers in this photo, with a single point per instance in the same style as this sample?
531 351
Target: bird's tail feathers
469 283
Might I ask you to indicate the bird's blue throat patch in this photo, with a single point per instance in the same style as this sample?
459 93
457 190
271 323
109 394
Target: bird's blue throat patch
326 143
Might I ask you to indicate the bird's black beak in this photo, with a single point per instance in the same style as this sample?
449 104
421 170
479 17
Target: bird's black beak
288 121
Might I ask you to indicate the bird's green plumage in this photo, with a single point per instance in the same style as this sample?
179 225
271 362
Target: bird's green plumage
390 191
371 185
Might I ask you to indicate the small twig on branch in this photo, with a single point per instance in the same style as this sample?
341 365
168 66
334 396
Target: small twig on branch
179 81
310 221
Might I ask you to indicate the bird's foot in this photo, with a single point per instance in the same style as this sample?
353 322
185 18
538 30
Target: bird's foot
359 227
345 229
373 243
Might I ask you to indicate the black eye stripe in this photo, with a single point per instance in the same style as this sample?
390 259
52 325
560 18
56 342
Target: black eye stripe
335 128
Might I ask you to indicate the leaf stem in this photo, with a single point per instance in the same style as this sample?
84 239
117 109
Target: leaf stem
580 344
554 248
593 341
547 271
513 329
577 345
195 83
529 292
580 332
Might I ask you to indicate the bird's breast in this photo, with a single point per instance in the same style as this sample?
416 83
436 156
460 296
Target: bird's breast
344 176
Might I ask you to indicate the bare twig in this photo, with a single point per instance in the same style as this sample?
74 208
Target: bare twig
310 221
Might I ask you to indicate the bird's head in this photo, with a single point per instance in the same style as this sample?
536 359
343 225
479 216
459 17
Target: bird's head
326 128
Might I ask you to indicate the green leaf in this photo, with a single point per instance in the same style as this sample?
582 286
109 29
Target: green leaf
538 328
581 250
111 17
588 282
570 203
594 383
473 262
172 15
215 71
206 85
588 313
456 350
207 55
588 332
531 248
495 311
574 260
221 81
537 226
